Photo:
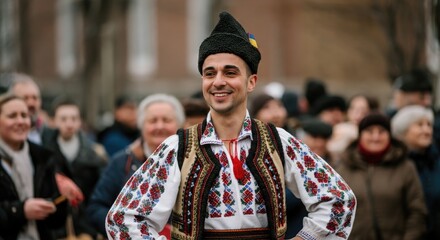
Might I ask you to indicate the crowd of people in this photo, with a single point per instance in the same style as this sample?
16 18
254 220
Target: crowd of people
224 163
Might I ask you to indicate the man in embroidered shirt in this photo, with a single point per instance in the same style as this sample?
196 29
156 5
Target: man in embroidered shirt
226 177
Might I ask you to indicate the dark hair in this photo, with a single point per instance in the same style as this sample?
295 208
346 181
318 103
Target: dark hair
62 101
195 107
373 102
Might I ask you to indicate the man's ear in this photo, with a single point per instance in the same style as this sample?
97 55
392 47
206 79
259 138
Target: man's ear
252 82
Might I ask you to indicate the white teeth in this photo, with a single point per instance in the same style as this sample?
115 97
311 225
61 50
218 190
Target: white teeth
220 94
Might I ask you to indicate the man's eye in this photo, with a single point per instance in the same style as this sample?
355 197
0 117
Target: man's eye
230 73
209 74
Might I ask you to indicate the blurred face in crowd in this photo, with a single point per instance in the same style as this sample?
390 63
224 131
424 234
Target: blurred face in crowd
332 116
30 93
418 136
357 109
402 99
375 138
14 123
160 122
226 83
273 112
68 120
126 114
317 144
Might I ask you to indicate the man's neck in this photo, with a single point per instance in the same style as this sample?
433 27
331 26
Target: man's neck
228 126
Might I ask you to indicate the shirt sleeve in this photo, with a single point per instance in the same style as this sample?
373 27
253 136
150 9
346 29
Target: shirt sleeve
327 197
145 203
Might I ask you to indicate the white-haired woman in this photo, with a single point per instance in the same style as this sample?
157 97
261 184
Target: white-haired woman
159 116
414 126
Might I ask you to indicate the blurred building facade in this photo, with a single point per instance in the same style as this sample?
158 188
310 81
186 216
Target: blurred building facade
98 49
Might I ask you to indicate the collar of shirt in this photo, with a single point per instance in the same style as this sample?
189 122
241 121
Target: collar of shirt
209 136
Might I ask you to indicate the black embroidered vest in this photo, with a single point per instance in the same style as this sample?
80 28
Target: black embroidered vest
200 168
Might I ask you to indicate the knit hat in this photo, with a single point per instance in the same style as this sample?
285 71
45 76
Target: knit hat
317 128
258 103
314 89
374 119
229 36
328 102
407 116
414 81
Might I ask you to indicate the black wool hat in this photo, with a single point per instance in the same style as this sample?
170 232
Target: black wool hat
229 36
317 128
328 102
375 119
416 80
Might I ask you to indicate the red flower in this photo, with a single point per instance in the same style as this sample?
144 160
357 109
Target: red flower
162 173
133 204
118 218
144 187
312 188
170 157
332 225
309 162
291 153
321 176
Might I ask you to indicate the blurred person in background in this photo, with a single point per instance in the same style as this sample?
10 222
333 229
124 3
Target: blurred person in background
159 116
25 87
269 109
390 197
29 203
195 111
123 131
330 109
414 126
346 132
314 88
316 134
79 158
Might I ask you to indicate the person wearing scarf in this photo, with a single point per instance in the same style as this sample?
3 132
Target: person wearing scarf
390 196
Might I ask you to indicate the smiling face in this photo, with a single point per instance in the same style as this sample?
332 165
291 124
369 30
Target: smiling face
226 83
418 136
160 122
14 123
375 138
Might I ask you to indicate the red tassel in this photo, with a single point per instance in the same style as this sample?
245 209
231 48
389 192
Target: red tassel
238 168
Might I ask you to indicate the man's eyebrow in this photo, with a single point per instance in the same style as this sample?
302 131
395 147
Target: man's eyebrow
208 68
231 67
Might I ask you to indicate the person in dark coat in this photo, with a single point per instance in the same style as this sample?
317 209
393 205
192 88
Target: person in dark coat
78 157
30 203
123 131
414 126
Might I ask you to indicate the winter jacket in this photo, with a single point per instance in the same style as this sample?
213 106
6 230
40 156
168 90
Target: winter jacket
84 170
12 216
428 166
389 195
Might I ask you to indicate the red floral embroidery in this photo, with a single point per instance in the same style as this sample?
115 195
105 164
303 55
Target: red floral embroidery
342 185
321 176
144 229
133 204
162 173
156 191
338 209
291 153
309 162
170 157
332 225
144 187
312 188
118 218
300 167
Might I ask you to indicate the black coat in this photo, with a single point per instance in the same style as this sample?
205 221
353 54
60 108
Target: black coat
12 217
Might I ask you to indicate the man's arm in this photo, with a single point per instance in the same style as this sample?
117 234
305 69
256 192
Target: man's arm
145 203
328 199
